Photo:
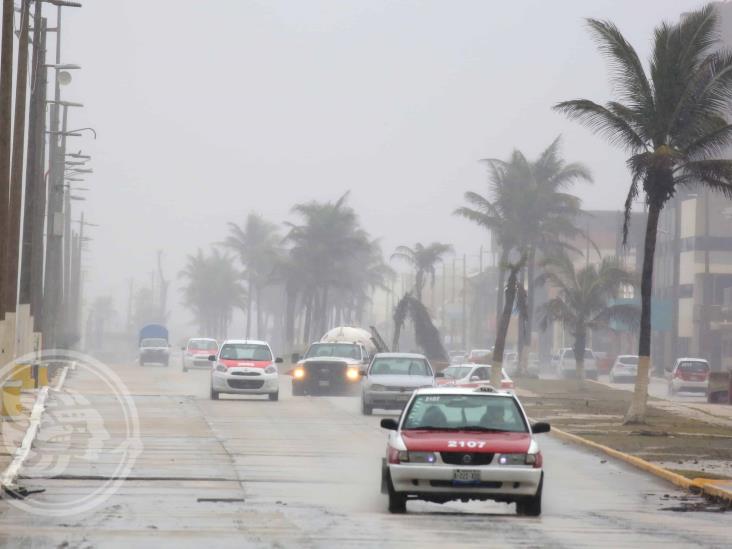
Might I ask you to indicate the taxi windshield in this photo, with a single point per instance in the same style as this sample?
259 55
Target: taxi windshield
479 412
245 351
339 350
202 345
457 372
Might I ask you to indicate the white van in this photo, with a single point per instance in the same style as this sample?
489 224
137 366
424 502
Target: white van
566 366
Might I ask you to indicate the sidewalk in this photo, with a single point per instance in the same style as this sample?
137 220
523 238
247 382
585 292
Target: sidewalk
13 431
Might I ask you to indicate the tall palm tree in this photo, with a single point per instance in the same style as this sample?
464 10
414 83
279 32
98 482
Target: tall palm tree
212 291
423 260
326 244
671 121
257 244
530 210
584 299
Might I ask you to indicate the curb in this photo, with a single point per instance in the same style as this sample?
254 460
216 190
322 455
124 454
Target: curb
8 477
701 485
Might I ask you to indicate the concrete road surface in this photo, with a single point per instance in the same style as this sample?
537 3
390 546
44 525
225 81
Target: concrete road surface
305 471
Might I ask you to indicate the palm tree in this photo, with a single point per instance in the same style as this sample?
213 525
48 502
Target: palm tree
258 246
530 210
671 120
584 299
212 291
326 245
423 260
514 291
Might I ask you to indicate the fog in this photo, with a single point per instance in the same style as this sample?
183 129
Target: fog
208 110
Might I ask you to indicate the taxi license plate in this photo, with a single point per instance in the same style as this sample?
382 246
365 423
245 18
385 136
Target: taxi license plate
324 383
466 475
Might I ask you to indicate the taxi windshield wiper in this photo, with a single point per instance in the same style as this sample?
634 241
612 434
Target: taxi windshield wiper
481 428
427 428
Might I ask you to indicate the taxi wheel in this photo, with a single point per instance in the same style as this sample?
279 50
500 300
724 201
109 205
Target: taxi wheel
274 396
214 394
531 507
397 500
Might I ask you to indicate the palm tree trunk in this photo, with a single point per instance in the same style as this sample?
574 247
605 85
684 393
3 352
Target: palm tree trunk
308 319
637 411
250 294
260 330
505 319
290 298
580 342
528 324
419 284
501 287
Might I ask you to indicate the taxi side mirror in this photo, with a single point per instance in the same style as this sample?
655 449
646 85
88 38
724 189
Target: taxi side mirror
212 358
540 427
439 374
389 423
279 360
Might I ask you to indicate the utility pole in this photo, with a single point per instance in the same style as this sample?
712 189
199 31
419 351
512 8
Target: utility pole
34 165
16 171
465 303
34 242
6 112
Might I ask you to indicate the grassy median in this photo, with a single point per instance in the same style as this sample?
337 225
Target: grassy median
689 446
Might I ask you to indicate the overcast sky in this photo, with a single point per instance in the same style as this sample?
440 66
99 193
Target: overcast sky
206 110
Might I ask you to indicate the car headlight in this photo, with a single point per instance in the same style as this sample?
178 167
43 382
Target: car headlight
221 368
377 387
353 374
520 459
416 457
271 369
299 373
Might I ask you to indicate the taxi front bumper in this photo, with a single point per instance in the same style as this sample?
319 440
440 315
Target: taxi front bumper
504 483
235 382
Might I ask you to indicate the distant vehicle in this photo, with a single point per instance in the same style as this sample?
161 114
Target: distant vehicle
350 334
391 378
153 345
460 444
480 356
688 374
329 368
625 368
566 366
197 351
458 359
244 367
472 375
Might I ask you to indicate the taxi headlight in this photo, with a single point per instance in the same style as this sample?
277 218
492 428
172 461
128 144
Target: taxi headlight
221 368
271 369
519 459
352 374
422 457
299 373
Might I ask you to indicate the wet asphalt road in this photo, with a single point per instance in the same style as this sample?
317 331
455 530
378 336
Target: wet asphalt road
305 471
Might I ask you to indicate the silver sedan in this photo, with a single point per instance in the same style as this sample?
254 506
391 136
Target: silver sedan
392 377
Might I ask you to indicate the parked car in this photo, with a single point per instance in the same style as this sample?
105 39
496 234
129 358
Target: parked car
688 374
625 368
245 367
391 378
566 366
197 351
472 375
458 444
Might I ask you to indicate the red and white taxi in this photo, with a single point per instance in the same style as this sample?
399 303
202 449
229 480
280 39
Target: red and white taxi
463 444
245 367
472 375
197 351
